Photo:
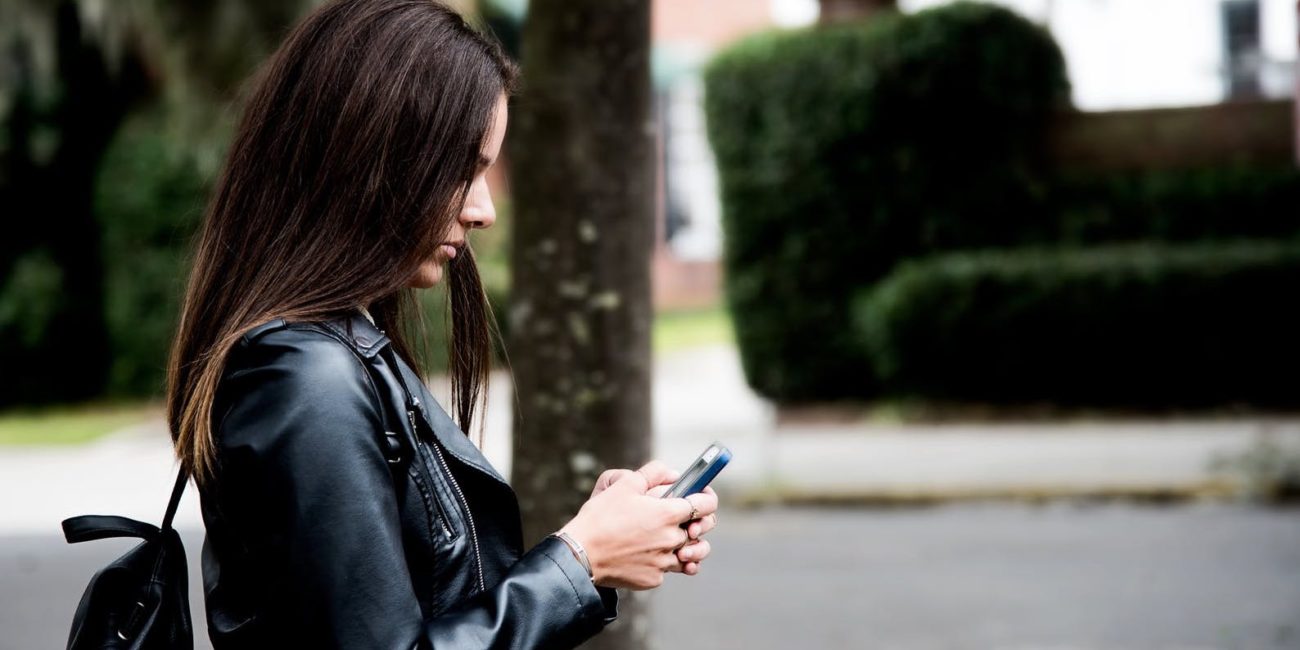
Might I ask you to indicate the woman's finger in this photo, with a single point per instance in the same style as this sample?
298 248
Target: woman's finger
694 529
608 478
705 504
700 527
673 564
657 473
686 568
695 551
679 539
691 507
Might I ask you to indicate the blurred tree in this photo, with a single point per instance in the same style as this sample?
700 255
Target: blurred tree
62 96
207 49
582 150
70 72
501 23
836 11
154 181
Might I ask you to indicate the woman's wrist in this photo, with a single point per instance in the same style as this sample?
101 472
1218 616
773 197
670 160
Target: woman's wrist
579 552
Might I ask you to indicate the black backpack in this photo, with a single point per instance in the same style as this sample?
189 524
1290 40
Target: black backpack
141 600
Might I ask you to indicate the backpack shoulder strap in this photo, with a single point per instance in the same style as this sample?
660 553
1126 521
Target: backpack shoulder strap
182 479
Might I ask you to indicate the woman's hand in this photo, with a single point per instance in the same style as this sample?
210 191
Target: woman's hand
632 536
697 549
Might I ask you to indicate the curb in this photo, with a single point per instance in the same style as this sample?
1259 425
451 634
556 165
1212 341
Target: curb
914 498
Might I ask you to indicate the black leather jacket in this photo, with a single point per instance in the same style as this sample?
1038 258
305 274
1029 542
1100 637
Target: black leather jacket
327 529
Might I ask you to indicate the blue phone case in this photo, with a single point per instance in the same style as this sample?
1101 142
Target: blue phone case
696 478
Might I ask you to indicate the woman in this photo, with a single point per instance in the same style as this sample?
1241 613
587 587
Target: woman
343 507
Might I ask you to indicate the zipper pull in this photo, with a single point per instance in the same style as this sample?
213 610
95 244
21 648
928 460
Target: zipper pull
415 406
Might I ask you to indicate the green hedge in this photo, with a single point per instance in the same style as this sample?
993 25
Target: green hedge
1228 202
1130 325
843 150
149 199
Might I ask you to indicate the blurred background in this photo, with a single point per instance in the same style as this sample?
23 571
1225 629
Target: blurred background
996 304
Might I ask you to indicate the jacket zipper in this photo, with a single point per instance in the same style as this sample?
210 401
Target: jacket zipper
442 514
469 517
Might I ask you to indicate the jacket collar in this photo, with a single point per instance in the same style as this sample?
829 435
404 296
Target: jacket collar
368 340
357 330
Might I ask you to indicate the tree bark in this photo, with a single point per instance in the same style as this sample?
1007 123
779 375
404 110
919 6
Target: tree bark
582 179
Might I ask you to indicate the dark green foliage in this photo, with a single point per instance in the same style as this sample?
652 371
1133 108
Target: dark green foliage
843 150
1142 325
1178 204
56 119
30 297
149 200
106 160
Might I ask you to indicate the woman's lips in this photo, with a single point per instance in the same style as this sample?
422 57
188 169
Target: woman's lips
448 250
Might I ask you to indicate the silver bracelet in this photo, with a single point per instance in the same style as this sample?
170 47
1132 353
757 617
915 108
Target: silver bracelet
577 550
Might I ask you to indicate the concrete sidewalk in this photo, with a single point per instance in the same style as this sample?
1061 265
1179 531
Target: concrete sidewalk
700 396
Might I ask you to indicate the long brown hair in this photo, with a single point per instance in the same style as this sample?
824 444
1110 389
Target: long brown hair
350 164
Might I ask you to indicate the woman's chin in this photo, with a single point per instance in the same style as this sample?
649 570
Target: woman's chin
428 275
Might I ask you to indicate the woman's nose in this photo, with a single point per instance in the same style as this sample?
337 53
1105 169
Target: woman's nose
479 211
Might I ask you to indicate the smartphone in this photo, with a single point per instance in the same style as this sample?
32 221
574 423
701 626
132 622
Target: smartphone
701 472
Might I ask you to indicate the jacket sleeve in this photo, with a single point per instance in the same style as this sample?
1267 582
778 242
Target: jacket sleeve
299 445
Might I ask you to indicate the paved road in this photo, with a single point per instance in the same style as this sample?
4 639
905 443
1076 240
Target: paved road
969 576
981 577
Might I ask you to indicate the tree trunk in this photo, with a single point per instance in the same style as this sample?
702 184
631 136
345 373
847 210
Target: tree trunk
582 151
835 11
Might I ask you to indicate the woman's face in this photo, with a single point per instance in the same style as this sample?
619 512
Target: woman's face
478 211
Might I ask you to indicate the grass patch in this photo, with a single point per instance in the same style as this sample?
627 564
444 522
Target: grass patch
684 329
70 425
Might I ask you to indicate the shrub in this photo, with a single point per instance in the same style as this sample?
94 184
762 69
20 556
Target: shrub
1229 202
842 150
33 309
1130 325
149 200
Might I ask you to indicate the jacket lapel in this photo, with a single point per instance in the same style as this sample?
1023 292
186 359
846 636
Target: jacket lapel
445 429
369 340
